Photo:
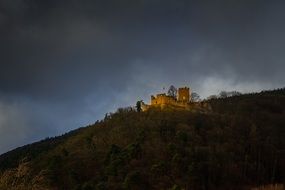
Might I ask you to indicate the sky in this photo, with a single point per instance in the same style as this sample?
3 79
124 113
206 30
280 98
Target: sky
65 63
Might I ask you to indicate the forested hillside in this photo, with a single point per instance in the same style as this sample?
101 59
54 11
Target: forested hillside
238 145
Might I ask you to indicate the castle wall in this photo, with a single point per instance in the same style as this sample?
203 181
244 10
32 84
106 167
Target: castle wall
162 99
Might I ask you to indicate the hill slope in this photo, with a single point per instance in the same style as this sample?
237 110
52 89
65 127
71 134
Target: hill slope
241 143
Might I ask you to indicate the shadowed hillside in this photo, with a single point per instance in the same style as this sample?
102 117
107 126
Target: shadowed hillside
238 145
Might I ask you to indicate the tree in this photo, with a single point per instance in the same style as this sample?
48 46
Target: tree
212 97
223 94
235 93
139 106
195 97
172 91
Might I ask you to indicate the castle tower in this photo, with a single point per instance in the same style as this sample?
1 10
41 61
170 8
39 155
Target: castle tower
184 95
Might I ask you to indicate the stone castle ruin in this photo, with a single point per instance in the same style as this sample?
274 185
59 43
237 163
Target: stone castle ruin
176 100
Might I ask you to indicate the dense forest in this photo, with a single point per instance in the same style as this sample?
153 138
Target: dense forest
239 144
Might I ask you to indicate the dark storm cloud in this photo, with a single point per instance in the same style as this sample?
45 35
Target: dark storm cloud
63 64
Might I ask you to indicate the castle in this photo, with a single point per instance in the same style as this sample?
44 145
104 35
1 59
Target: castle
181 101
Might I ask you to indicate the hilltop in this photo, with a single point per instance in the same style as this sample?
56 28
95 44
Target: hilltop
239 144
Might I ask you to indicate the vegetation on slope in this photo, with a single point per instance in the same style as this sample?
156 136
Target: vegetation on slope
240 144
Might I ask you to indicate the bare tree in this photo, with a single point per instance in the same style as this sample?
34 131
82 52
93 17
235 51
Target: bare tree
172 91
212 97
195 97
223 94
235 93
